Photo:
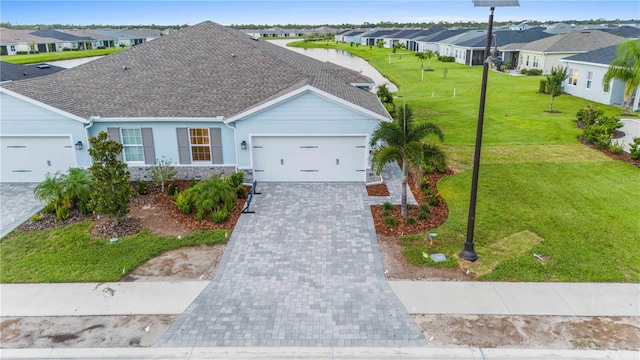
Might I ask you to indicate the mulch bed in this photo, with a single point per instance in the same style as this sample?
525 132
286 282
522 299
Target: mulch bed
437 217
378 190
624 156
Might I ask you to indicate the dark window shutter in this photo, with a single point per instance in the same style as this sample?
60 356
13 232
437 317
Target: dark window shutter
147 146
184 155
114 134
215 136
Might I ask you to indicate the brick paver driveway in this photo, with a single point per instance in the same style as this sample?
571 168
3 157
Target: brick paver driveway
304 270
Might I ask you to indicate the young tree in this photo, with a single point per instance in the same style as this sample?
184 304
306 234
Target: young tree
421 56
385 96
554 83
401 140
380 44
429 54
112 189
627 69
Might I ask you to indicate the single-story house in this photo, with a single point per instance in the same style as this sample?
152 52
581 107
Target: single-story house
546 53
586 73
210 99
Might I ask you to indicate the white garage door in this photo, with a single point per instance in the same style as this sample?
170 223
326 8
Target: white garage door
29 159
309 158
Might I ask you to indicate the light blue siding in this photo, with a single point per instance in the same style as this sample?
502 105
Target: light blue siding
165 141
19 117
615 95
307 114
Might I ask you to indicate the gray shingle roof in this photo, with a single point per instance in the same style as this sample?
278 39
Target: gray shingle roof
601 56
574 41
206 70
14 72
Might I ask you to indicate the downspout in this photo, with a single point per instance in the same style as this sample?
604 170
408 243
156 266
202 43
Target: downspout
235 142
86 133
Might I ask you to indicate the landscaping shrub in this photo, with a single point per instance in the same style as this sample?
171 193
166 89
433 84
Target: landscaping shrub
387 206
589 114
210 195
600 132
37 217
411 220
62 213
390 221
241 192
172 188
235 179
69 190
425 208
142 187
543 86
447 58
219 216
634 148
616 148
183 203
424 215
162 172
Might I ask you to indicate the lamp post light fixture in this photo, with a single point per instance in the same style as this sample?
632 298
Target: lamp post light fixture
468 253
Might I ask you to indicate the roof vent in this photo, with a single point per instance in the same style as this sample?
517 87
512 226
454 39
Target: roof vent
44 66
233 55
124 67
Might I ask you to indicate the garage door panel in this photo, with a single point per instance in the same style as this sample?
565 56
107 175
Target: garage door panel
299 158
29 159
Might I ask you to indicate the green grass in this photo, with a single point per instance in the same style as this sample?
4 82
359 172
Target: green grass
70 254
534 176
55 56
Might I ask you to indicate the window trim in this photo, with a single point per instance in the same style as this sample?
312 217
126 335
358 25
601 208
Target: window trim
589 80
125 146
572 79
192 145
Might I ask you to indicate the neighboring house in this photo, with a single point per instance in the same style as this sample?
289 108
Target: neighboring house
372 37
586 73
522 26
547 53
14 41
65 40
349 36
430 42
211 99
399 37
410 41
626 31
450 46
472 51
121 37
14 72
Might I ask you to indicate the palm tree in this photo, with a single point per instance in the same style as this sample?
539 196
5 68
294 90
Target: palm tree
428 54
380 44
421 56
385 97
401 140
626 68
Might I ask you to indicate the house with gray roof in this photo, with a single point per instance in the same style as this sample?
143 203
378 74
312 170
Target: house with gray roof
430 42
546 53
587 72
211 99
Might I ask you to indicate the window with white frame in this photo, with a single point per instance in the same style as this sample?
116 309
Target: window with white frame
132 145
200 144
12 48
527 62
573 77
535 61
589 79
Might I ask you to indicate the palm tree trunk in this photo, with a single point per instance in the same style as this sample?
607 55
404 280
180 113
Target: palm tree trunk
403 206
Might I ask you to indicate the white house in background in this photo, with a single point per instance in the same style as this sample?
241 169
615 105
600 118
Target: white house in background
546 53
586 74
230 103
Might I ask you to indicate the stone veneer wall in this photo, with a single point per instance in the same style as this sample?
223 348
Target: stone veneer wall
204 172
183 172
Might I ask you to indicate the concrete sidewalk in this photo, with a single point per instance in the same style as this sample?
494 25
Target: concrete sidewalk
89 299
418 297
500 298
315 353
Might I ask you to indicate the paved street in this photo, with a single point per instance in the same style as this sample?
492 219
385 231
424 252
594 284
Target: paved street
304 270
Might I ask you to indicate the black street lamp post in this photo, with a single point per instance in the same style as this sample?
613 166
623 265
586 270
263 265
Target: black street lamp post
469 253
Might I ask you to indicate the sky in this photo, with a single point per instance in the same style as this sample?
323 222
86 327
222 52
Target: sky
272 12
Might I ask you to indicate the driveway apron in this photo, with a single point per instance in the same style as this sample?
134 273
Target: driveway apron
17 204
304 270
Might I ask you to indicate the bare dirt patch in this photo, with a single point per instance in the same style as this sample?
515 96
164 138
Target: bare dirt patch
532 332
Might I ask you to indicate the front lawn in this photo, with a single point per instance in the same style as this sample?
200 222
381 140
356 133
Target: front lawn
540 191
70 254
